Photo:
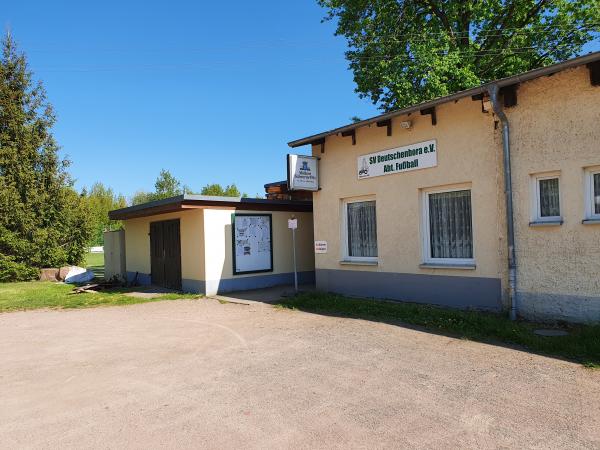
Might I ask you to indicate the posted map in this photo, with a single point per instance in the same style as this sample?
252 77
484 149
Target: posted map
252 243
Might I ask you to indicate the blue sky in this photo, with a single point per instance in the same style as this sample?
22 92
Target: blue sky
212 91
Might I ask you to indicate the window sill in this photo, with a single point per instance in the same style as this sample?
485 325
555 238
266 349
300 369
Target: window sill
459 266
591 222
546 223
358 263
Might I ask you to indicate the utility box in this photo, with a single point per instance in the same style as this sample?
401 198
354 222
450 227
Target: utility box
114 255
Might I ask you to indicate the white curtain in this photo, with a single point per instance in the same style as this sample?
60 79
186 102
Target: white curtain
450 224
549 198
362 229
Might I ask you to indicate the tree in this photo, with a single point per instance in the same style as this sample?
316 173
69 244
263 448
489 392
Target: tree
216 189
404 52
100 201
141 197
43 221
165 186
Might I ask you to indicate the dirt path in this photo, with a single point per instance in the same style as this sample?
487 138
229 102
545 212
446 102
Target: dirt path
179 374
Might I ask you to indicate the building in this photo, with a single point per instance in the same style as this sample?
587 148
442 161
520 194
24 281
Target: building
488 198
216 244
279 191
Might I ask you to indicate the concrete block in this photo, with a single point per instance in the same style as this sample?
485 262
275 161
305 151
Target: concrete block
62 274
49 274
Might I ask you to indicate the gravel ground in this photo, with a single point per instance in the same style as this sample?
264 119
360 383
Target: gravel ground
181 374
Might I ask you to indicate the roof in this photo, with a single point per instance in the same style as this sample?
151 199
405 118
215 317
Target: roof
276 183
192 201
508 81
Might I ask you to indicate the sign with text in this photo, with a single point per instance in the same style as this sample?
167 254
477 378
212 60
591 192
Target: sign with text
397 160
303 173
320 246
292 224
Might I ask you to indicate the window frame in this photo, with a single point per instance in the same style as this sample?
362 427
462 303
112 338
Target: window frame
426 227
536 205
590 213
345 256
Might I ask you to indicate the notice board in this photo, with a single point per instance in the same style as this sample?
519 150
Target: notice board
252 243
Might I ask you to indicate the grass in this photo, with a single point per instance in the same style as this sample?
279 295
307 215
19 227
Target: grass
95 262
38 294
581 345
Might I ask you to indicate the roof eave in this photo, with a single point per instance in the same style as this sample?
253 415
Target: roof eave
186 202
519 78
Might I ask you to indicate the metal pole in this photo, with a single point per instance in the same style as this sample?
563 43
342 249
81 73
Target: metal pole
510 221
295 270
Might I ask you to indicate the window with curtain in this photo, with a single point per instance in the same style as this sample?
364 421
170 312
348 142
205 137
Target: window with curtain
592 194
450 225
596 190
361 230
549 203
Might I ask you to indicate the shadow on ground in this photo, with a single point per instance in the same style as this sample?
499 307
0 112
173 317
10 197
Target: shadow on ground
271 295
581 344
98 272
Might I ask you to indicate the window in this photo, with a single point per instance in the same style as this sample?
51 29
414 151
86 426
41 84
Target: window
360 230
592 190
448 230
546 197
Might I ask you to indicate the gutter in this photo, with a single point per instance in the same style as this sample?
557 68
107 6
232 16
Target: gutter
510 228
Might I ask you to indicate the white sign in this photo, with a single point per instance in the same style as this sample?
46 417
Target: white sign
303 173
396 160
252 243
292 224
320 246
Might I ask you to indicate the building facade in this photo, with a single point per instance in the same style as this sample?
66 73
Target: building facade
214 245
412 204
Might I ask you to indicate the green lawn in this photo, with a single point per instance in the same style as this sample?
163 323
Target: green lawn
581 345
37 294
95 261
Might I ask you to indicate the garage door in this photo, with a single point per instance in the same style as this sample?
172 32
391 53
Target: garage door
165 254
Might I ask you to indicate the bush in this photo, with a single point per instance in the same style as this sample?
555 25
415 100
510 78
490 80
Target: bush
11 270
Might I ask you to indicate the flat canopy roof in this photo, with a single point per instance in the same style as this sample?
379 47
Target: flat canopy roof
192 201
482 89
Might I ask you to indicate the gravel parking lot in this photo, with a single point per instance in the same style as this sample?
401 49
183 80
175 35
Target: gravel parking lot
203 374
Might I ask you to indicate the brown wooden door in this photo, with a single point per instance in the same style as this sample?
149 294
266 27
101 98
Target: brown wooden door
165 253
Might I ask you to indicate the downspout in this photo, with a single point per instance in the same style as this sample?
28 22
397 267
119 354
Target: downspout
510 229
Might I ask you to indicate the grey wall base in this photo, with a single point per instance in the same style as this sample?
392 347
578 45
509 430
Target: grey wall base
553 307
143 279
193 286
232 284
260 281
454 291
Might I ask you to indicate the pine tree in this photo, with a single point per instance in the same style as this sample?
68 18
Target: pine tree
43 221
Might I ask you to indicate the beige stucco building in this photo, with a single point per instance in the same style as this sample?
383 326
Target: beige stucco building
487 199
217 244
412 204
